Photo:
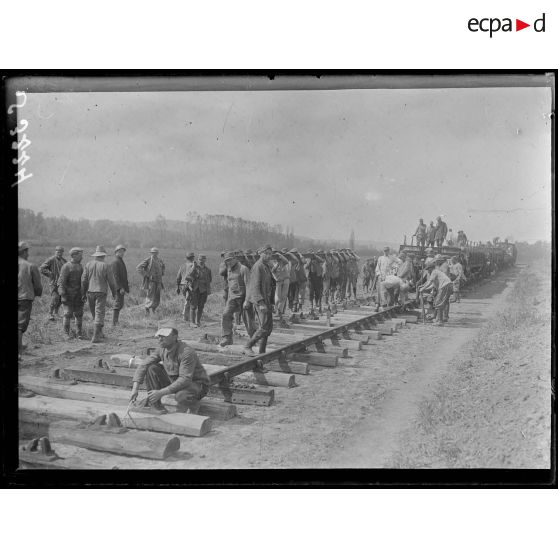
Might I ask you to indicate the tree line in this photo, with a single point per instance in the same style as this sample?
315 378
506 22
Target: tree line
196 232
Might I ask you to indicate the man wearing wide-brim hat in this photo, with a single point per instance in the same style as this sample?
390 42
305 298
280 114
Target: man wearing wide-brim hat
186 282
120 274
51 269
69 287
260 294
443 288
28 287
95 282
152 270
238 280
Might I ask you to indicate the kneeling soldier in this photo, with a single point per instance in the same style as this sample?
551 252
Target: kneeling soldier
174 368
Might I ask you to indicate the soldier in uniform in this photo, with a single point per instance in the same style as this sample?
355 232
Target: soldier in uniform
334 281
238 279
442 286
314 270
431 235
69 287
174 369
201 290
327 268
259 294
352 274
420 233
28 287
95 282
281 272
51 269
293 279
152 270
120 274
441 232
186 280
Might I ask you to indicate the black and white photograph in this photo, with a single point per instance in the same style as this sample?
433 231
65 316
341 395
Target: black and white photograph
283 272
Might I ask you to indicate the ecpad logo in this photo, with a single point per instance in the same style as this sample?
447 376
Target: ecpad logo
493 25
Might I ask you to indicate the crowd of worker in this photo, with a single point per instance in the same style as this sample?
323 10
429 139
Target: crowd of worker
257 285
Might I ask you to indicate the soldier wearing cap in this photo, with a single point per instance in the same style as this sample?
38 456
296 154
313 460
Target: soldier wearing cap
238 279
96 280
441 232
51 269
442 286
420 233
152 270
431 234
186 281
69 287
120 274
292 256
260 295
28 287
281 271
352 274
174 369
315 272
200 290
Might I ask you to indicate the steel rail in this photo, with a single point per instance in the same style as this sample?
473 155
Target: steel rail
259 361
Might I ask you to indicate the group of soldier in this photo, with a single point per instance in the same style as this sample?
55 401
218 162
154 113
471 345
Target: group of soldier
436 280
277 277
257 284
435 234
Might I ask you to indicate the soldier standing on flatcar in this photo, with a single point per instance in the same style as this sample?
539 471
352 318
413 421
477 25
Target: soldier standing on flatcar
431 235
420 233
441 232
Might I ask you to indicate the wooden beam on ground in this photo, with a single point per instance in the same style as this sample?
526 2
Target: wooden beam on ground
373 334
317 359
120 441
341 352
244 396
272 379
41 409
409 318
346 344
289 367
216 410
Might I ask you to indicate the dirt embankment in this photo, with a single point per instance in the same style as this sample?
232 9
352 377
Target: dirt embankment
493 407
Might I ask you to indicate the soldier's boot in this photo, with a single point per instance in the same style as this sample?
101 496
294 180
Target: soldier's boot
66 325
199 317
247 349
51 317
79 326
115 314
262 345
96 334
226 340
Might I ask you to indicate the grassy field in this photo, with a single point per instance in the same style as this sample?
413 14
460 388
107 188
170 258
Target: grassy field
42 331
493 409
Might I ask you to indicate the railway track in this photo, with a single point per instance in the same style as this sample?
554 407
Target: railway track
86 406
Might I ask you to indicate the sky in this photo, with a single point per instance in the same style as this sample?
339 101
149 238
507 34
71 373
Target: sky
322 162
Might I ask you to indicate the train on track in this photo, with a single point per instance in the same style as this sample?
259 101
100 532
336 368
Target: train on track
479 260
